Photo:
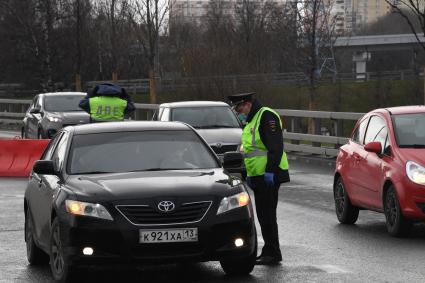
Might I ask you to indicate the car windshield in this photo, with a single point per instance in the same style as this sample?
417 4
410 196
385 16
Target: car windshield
206 117
138 151
410 130
62 103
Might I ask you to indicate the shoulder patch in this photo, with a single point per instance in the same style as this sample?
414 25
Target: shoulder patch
272 125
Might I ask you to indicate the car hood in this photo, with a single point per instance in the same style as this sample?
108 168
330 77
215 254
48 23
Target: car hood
413 154
223 135
136 186
75 117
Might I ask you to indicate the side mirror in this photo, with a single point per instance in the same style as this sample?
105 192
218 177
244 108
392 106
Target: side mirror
233 162
44 167
35 111
375 147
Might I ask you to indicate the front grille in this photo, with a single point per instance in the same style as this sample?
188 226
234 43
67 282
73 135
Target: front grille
147 215
224 148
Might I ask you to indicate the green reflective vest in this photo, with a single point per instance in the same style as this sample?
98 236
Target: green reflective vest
105 108
255 151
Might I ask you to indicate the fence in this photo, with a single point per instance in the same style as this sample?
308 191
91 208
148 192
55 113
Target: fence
325 140
141 86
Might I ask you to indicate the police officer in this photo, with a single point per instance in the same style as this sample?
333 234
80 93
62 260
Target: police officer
107 102
266 165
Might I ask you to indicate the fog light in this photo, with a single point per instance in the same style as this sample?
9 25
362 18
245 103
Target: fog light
239 242
87 251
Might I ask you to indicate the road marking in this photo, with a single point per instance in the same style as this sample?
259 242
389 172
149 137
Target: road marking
331 269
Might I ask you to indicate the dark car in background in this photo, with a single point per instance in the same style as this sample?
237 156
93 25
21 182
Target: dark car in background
50 112
136 193
214 121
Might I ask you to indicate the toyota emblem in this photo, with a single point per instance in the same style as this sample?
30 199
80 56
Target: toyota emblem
166 206
218 145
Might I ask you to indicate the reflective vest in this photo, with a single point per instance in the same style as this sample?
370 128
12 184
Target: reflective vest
106 108
255 152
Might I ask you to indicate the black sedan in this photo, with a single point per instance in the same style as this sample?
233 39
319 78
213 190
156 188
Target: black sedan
136 193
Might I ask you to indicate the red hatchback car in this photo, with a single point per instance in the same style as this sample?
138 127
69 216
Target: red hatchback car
382 168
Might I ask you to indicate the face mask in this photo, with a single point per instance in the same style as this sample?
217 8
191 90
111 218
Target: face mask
242 117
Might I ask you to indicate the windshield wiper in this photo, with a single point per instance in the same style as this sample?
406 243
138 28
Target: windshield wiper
96 172
412 146
159 169
216 127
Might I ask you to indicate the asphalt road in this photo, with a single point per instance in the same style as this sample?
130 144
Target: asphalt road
315 247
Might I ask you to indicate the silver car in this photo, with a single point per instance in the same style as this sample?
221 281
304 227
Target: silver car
50 112
214 121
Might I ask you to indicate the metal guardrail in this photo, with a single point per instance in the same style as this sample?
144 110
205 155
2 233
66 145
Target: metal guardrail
12 112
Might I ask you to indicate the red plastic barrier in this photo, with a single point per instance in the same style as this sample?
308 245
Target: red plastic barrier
18 156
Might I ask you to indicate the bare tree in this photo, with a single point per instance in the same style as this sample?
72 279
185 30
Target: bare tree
149 21
417 8
315 30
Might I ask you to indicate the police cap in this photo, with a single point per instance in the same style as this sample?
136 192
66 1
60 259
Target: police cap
237 99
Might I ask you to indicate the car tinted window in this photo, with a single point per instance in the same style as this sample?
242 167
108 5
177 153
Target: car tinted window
47 155
410 130
60 151
37 103
358 135
376 125
382 137
139 151
165 114
62 103
206 117
160 110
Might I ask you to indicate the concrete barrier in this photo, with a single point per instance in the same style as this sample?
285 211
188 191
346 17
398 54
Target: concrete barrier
17 156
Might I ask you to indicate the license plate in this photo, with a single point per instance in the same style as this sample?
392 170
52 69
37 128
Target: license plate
168 235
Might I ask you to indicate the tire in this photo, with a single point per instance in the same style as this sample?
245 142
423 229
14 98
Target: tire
35 255
397 224
60 265
345 211
242 266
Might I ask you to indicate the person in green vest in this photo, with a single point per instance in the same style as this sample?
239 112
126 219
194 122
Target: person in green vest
107 103
266 167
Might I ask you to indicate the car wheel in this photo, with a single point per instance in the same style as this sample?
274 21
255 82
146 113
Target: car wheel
60 265
397 224
35 255
345 211
240 267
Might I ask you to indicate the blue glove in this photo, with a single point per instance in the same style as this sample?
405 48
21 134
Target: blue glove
249 182
269 179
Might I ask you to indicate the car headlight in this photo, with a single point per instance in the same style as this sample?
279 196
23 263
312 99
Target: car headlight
53 119
415 172
87 209
232 202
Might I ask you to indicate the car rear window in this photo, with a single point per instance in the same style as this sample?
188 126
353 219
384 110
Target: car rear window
139 151
206 117
410 130
62 103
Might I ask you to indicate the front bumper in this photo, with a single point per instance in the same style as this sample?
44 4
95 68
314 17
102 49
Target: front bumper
412 199
118 241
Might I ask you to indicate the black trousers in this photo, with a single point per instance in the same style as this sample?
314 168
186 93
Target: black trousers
266 199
